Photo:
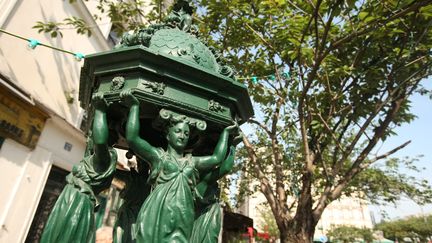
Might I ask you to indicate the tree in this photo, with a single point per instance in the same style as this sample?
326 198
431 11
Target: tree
124 16
346 233
412 227
334 81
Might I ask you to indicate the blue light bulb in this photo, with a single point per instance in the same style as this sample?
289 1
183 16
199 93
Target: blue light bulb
79 56
254 80
32 43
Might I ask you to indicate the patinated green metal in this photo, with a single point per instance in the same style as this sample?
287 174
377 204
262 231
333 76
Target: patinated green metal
162 81
168 66
169 99
72 219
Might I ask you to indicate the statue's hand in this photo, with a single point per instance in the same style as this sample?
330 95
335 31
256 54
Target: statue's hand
128 98
237 139
99 101
233 129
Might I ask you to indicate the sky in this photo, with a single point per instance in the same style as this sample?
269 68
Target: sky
420 133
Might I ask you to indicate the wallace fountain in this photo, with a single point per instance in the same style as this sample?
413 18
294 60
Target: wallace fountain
171 101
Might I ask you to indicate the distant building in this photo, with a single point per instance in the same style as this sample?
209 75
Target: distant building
252 207
345 211
40 116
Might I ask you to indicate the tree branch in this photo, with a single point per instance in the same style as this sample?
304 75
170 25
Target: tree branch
264 127
415 5
330 131
327 27
322 202
277 154
385 155
260 37
265 186
356 168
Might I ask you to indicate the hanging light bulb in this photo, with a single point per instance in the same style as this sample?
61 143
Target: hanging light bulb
79 56
254 80
286 74
32 43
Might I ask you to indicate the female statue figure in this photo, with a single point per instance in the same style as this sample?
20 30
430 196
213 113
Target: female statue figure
168 213
72 218
133 194
208 219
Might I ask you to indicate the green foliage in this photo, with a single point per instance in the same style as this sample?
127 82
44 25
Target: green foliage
48 27
268 221
412 227
352 65
54 28
346 233
357 78
385 182
124 16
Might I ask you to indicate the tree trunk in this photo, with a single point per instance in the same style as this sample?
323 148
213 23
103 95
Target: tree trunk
301 228
297 234
295 239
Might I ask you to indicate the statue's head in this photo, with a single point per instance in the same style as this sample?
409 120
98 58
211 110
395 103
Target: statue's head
177 135
178 129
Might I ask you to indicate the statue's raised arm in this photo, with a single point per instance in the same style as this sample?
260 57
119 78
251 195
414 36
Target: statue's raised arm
100 135
72 218
207 162
140 146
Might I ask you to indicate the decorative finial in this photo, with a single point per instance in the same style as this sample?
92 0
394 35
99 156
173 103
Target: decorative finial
179 37
181 17
186 5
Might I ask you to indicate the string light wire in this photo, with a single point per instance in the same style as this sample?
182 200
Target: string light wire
33 43
255 79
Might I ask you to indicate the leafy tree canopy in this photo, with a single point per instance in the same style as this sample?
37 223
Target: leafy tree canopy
332 80
347 233
335 79
412 227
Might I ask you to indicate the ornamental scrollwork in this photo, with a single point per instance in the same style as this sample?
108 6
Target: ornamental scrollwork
215 106
117 83
155 87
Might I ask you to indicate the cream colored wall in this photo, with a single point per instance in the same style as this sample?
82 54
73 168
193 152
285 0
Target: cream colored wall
45 74
18 206
54 137
25 171
345 211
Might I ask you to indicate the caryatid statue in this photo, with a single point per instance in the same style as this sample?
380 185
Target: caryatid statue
170 100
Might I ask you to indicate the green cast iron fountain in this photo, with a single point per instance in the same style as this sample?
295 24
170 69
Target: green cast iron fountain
170 100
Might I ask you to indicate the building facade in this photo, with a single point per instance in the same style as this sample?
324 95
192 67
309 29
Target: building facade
40 116
344 211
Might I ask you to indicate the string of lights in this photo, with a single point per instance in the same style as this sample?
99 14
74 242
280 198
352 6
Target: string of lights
33 43
255 79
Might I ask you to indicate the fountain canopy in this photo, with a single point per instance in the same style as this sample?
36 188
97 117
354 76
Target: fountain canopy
168 67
